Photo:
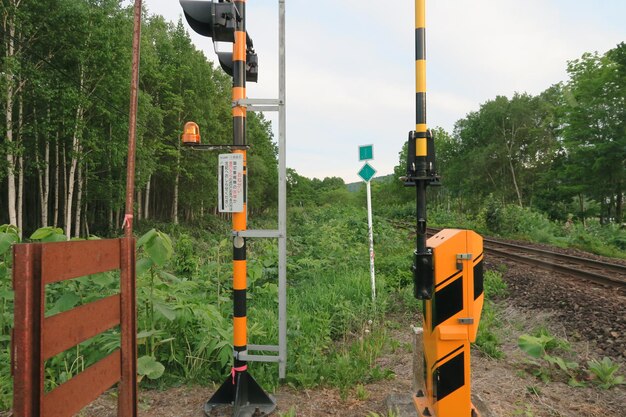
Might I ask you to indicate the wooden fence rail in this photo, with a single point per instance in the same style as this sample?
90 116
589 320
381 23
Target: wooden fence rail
37 338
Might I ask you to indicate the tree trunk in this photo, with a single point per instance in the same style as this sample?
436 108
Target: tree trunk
46 185
509 142
517 191
74 162
619 205
64 180
85 219
43 171
79 200
85 210
9 28
581 201
110 202
39 171
147 201
175 202
20 165
138 196
177 180
176 183
56 181
602 217
110 185
46 193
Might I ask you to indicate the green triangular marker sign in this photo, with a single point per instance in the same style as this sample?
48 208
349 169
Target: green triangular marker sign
367 172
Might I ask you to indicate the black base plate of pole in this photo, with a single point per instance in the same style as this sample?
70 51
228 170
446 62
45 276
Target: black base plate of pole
244 398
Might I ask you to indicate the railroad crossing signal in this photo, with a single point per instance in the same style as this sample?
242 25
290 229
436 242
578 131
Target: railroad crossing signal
220 21
447 274
367 172
215 20
225 21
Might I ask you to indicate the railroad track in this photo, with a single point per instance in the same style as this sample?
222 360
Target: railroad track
604 273
589 269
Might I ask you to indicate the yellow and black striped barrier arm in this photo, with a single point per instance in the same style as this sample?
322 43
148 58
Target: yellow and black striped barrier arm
421 128
448 273
418 170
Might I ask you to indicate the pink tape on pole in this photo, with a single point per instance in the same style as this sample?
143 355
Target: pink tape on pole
127 220
237 369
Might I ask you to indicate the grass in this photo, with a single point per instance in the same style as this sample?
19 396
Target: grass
335 332
488 339
513 222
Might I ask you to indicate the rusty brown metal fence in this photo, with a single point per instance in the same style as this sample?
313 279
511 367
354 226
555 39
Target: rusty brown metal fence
37 338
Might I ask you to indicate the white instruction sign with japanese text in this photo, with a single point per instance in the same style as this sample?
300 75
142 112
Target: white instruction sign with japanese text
230 183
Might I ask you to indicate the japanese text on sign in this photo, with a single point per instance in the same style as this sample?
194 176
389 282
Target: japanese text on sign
230 183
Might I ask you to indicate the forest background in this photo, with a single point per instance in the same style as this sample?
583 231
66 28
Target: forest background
64 84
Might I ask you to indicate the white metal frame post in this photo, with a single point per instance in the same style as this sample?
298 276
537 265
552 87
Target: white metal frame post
371 236
282 193
279 105
366 153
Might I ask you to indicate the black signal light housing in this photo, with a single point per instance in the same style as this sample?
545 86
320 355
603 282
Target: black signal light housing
219 22
214 20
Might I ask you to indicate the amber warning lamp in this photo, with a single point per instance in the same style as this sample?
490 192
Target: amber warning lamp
191 134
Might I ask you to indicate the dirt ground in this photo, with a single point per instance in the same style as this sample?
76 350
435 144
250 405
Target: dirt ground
590 318
502 384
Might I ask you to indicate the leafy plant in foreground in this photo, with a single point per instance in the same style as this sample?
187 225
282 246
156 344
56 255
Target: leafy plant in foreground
487 339
605 373
541 347
9 235
49 234
157 250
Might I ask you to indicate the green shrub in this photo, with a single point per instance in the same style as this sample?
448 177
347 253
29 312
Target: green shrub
604 373
545 353
515 221
185 260
487 340
607 240
494 285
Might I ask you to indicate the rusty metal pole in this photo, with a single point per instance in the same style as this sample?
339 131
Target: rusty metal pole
127 399
26 357
132 124
127 388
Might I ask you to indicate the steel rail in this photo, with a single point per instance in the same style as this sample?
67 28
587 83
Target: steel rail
525 254
620 269
551 266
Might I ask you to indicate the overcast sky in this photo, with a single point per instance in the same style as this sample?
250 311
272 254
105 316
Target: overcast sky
350 65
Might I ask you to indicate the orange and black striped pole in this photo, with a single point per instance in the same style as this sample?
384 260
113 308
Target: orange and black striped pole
240 390
240 220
